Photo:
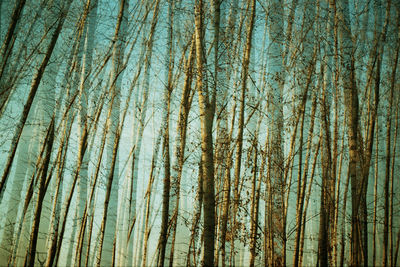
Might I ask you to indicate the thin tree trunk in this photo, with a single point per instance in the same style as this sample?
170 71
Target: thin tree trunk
375 196
166 182
238 161
391 256
166 151
344 212
386 248
207 109
216 18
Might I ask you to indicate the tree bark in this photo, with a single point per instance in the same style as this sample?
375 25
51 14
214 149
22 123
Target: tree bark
207 108
169 63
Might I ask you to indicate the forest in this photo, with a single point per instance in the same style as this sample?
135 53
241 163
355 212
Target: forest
199 133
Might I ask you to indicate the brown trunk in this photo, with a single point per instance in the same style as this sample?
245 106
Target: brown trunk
216 17
375 197
326 193
344 209
339 178
166 187
386 187
166 153
392 186
207 108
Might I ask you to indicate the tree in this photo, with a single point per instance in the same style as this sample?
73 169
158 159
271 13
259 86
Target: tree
199 132
207 109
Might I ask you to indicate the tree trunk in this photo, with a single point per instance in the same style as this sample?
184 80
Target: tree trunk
238 156
386 248
169 63
326 193
207 108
